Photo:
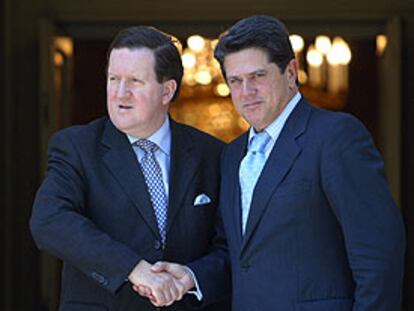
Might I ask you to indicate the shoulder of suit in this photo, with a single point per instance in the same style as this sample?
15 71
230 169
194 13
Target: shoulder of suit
328 119
84 132
325 125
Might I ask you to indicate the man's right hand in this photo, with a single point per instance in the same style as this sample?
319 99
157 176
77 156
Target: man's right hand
161 288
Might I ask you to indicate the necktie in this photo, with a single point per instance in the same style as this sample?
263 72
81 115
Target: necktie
250 168
153 178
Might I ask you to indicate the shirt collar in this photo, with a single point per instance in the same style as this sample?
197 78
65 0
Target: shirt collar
274 128
161 137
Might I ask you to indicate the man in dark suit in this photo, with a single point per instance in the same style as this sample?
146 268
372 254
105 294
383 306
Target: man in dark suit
125 192
308 216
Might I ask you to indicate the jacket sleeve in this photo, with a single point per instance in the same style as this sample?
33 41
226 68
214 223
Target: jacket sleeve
213 270
60 225
354 183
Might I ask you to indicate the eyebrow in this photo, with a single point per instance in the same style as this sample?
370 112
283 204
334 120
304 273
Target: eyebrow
261 70
132 76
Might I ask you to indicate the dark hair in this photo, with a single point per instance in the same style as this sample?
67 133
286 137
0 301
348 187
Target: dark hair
168 63
259 31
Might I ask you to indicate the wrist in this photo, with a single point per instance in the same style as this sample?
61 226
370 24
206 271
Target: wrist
139 268
190 280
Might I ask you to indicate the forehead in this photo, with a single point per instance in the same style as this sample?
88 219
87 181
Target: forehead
246 61
126 59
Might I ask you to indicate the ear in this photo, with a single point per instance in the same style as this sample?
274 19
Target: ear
168 91
292 72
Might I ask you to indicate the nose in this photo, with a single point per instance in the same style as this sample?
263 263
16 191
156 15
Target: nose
248 88
123 89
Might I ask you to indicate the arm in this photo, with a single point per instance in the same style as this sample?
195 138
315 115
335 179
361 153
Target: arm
60 224
212 271
355 185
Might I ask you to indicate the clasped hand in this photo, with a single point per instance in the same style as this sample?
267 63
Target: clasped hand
163 283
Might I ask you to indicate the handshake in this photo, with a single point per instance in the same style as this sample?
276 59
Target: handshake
163 283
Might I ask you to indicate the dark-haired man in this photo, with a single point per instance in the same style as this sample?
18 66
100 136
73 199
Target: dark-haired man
309 219
125 192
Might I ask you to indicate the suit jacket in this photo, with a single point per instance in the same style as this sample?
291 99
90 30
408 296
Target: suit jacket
93 211
323 233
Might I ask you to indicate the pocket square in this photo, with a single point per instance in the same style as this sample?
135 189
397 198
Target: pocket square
202 199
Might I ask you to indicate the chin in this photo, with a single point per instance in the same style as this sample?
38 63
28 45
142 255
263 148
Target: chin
122 125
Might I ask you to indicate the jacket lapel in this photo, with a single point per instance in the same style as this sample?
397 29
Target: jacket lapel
184 164
123 164
280 161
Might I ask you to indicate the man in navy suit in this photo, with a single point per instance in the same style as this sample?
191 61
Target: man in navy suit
126 191
308 216
322 231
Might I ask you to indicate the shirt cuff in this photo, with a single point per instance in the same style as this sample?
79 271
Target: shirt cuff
197 291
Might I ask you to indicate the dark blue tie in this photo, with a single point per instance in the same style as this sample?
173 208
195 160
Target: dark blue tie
153 178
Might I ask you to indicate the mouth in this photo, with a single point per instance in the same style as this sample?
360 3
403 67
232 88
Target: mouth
252 105
124 107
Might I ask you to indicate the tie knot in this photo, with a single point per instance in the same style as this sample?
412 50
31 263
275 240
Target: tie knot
147 145
259 142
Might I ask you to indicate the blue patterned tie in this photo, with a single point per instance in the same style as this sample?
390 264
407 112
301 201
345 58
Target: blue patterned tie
250 168
153 178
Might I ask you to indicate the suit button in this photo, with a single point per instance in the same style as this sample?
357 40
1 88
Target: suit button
244 266
157 245
100 278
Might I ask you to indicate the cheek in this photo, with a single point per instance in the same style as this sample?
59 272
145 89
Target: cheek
234 99
235 94
110 93
139 96
111 103
268 92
